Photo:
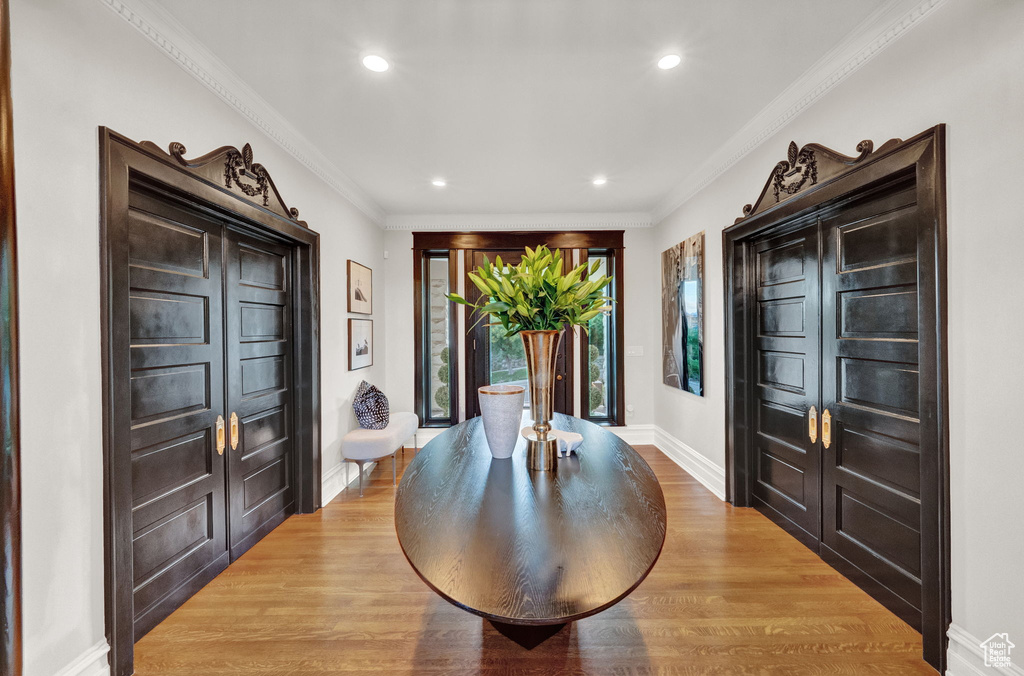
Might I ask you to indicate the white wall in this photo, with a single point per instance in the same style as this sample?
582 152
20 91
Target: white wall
78 66
640 284
962 66
400 344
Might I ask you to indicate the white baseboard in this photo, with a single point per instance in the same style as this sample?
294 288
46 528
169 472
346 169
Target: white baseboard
426 434
964 656
635 435
93 662
333 482
696 465
340 477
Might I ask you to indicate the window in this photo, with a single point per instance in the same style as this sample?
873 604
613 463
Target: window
437 383
601 396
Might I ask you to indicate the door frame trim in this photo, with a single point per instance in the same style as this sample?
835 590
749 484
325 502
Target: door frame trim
10 462
838 177
208 184
421 338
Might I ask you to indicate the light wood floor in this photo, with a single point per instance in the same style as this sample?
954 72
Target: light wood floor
331 593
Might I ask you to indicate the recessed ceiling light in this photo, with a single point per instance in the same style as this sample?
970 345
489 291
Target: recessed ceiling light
439 183
378 64
669 61
600 180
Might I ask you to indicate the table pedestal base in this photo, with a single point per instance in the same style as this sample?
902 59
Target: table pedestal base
528 636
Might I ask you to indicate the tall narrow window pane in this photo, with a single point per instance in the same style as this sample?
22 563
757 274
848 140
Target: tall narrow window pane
597 371
437 324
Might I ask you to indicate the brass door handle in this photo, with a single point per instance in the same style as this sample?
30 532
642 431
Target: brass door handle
234 430
812 425
220 435
826 428
558 377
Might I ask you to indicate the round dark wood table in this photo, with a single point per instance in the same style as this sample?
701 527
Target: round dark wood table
530 548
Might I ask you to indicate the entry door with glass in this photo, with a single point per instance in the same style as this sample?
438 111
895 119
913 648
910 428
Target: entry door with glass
493 359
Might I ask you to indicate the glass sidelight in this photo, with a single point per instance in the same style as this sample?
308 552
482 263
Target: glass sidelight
436 356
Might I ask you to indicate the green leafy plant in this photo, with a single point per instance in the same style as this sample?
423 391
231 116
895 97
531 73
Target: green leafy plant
596 387
444 372
441 396
537 295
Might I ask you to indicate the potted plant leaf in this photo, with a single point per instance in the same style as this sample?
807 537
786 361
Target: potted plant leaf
537 299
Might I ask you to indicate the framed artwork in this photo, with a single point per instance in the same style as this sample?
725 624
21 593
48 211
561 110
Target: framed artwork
360 343
360 289
682 315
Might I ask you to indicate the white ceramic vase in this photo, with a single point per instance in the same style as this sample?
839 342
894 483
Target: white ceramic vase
501 407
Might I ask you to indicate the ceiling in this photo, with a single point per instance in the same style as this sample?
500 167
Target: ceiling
518 104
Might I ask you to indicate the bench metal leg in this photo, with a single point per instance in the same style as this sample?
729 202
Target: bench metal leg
394 472
360 463
415 443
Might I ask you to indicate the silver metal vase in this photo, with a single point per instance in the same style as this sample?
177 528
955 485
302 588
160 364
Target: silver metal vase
541 352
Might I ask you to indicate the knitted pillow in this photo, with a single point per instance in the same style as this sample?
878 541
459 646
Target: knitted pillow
371 407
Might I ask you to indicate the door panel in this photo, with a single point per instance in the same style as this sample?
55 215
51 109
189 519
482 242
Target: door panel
785 354
259 358
871 386
483 367
176 392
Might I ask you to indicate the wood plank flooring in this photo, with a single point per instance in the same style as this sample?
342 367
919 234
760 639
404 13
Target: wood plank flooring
331 593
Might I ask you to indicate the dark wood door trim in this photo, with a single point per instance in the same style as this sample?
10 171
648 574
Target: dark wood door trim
585 239
226 186
617 403
514 241
811 179
10 481
421 338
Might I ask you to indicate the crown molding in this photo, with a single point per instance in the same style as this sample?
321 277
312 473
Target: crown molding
569 221
867 40
879 30
178 44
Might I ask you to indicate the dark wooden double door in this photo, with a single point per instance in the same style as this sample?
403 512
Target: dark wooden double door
837 390
209 320
480 358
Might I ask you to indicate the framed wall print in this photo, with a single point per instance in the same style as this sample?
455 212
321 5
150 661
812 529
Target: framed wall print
360 343
682 311
360 289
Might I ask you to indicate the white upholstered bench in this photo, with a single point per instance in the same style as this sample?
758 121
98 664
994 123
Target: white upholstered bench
362 445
